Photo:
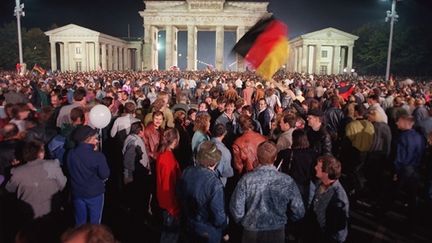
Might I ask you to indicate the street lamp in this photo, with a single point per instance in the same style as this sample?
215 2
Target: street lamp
18 12
392 16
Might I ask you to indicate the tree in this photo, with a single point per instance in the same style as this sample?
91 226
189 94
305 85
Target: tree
35 47
410 52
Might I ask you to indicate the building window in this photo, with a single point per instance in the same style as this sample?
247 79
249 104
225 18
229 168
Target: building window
78 50
323 69
324 54
78 66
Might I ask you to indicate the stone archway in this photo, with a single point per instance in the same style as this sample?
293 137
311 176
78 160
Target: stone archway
193 16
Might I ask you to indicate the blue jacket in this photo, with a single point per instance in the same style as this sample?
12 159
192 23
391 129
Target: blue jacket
410 149
88 171
263 197
331 212
202 198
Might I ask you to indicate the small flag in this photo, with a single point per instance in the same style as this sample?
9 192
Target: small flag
39 69
345 90
265 46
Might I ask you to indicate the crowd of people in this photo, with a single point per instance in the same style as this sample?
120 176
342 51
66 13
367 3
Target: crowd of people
208 156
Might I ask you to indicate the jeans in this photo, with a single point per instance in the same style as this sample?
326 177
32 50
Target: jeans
170 228
88 207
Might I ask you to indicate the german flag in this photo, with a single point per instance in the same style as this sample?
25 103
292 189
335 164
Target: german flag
39 69
265 46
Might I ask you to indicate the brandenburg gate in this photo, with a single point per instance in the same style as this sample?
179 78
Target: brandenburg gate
193 16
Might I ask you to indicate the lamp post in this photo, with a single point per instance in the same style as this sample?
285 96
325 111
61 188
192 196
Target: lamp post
18 12
392 16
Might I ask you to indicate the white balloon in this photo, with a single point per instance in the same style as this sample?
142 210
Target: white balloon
100 116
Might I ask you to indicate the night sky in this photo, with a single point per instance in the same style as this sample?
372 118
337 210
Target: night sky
302 16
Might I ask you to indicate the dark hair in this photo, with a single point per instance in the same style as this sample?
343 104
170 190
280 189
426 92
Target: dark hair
79 94
10 130
290 119
169 136
136 127
374 97
248 108
157 113
17 108
245 123
266 152
191 111
219 130
158 104
221 100
31 150
331 166
360 110
76 113
300 139
91 232
107 101
230 102
129 107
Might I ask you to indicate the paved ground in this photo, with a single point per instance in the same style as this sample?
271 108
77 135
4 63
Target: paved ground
367 225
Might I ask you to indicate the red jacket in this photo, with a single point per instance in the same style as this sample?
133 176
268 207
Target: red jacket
245 151
152 137
167 174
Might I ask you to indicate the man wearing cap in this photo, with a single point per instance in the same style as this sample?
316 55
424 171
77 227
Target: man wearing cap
318 136
264 199
88 171
201 194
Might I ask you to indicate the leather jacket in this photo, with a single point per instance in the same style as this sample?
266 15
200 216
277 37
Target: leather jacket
334 118
320 141
152 137
245 151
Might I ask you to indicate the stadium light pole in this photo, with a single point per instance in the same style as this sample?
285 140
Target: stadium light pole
392 16
18 12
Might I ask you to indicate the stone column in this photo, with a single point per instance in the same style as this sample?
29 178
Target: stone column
115 58
53 56
343 58
62 65
66 56
304 58
104 56
171 56
138 60
219 48
83 56
110 58
126 62
350 58
240 62
336 59
150 52
317 59
192 47
121 58
97 56
300 58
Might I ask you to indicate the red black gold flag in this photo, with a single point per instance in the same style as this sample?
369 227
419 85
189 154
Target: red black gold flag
345 90
39 69
265 46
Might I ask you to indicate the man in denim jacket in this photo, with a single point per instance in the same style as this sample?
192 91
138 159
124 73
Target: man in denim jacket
263 197
200 192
